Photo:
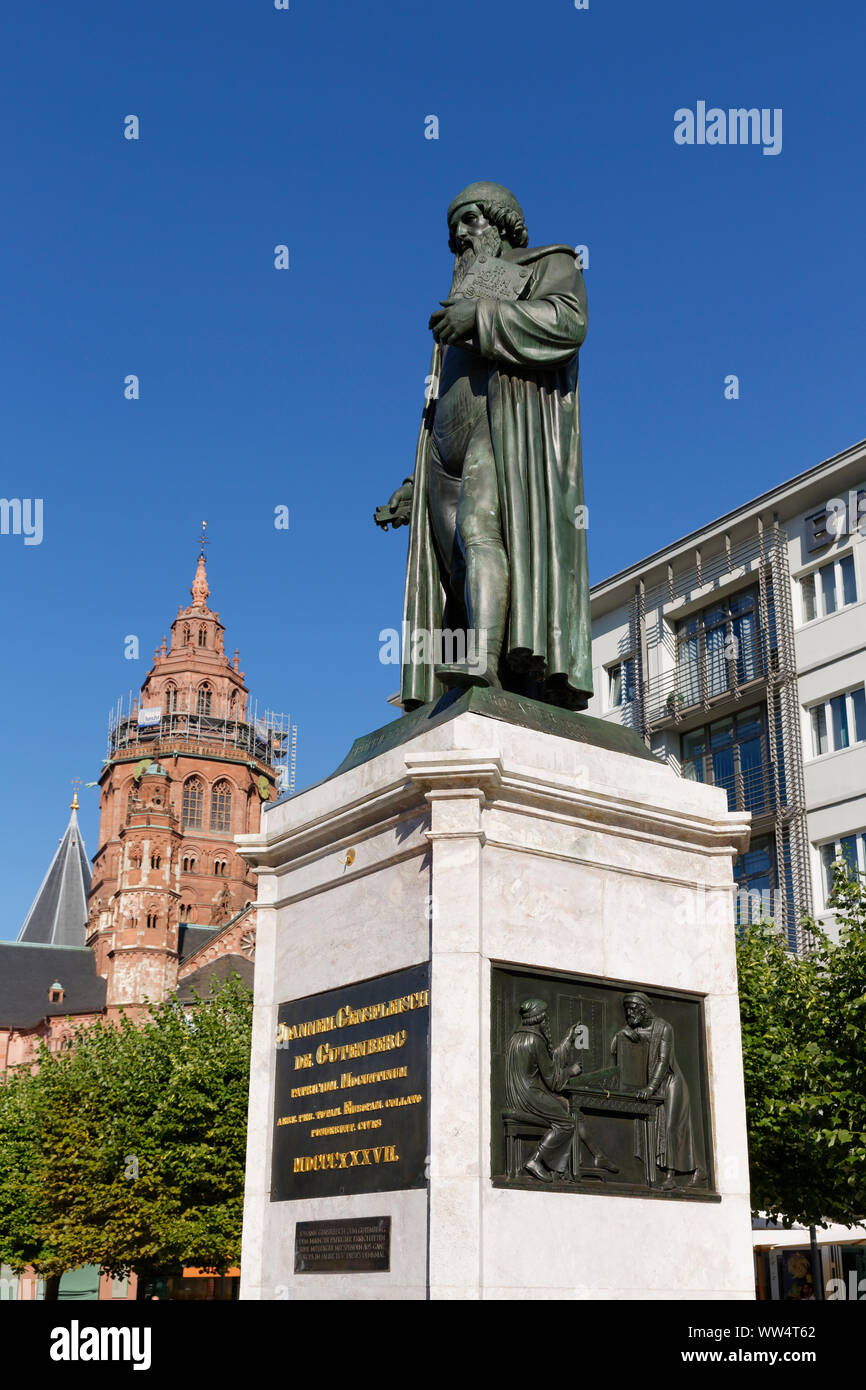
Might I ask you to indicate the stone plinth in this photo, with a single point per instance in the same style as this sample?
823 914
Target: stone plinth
556 844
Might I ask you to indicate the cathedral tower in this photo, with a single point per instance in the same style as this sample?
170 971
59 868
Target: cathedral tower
189 766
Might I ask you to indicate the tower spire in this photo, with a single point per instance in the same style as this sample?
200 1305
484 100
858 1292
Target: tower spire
200 590
58 914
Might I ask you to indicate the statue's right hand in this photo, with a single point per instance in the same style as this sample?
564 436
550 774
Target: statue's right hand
397 511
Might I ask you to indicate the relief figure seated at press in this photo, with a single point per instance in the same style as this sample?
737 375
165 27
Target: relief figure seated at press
535 1075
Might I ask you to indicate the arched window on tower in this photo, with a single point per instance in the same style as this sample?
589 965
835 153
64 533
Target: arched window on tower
204 698
187 635
221 806
193 803
170 698
152 919
202 636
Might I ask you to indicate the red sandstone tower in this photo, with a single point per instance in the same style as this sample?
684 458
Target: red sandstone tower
188 768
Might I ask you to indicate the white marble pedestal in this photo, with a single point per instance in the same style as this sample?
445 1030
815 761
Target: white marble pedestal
481 841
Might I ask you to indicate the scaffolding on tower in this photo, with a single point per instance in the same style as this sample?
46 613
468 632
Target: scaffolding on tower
192 719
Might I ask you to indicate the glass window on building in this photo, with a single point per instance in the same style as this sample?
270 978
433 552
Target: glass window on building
732 753
827 589
719 642
754 875
820 741
621 683
850 851
839 723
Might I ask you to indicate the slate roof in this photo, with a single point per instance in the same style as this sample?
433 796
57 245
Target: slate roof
220 969
191 939
58 916
29 969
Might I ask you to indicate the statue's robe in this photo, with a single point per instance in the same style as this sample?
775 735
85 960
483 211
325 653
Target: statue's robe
674 1138
531 345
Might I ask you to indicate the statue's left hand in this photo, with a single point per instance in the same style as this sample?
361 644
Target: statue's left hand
455 320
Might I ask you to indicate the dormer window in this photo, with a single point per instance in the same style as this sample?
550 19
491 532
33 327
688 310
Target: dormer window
55 993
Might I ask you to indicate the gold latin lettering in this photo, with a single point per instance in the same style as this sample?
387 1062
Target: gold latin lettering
346 1016
350 1158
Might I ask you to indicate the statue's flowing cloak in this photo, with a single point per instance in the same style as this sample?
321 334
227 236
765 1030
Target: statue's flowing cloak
533 408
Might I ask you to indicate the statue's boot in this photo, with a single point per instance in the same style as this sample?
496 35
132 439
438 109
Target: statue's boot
536 1167
464 674
602 1161
487 606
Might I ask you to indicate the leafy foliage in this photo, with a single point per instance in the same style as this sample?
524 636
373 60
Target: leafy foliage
128 1149
804 1055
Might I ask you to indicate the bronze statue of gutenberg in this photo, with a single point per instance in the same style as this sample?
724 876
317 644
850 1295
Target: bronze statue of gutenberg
497 545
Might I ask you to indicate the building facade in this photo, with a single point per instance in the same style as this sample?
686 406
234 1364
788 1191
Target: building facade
739 653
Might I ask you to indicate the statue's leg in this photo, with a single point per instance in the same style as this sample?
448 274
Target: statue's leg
479 535
443 496
599 1158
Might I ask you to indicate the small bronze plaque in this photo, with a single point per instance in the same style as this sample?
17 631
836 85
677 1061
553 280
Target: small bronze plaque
354 1246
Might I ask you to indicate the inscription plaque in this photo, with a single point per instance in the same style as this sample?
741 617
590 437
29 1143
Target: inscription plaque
351 1094
356 1245
598 1086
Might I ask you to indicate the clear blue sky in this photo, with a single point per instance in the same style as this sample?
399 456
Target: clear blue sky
304 387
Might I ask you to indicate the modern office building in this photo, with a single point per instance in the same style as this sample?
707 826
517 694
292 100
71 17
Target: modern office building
739 653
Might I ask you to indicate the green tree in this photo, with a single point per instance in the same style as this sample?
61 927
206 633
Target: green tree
128 1148
804 1057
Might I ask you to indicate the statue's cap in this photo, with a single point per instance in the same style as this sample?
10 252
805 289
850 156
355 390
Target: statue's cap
533 1010
636 997
486 193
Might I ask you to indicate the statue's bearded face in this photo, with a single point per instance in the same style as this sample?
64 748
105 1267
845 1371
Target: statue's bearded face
474 234
636 1014
473 230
